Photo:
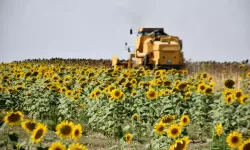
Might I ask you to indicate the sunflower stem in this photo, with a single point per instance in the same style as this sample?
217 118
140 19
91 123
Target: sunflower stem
8 128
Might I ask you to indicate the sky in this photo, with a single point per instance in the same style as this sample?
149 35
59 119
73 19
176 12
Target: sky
210 29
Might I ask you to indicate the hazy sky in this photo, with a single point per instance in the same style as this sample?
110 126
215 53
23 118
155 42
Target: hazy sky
211 29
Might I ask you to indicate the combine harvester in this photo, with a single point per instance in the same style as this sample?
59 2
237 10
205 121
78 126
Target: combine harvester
154 49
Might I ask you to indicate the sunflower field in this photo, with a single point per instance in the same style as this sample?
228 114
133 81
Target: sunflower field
56 103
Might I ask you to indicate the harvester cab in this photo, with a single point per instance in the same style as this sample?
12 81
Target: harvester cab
154 48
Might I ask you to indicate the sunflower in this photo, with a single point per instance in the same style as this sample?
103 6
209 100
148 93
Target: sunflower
228 92
29 125
13 118
201 87
57 146
229 83
151 94
69 93
38 132
77 146
166 92
174 131
166 83
229 99
244 99
135 116
180 144
234 139
245 145
159 128
219 129
77 132
185 120
65 129
128 137
182 86
133 93
208 90
238 94
97 92
116 94
248 75
167 119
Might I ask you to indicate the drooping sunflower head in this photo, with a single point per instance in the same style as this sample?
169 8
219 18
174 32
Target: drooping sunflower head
65 129
234 139
57 146
167 119
182 86
219 129
159 128
39 132
13 118
77 132
185 120
151 94
77 146
29 125
245 145
128 137
229 83
167 83
174 131
208 90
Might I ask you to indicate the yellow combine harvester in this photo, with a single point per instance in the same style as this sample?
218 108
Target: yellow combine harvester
154 48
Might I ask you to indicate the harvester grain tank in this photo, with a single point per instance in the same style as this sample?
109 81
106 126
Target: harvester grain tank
154 48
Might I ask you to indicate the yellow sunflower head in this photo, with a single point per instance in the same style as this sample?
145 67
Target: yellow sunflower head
135 116
57 146
151 94
77 132
238 94
219 129
133 93
29 125
174 131
13 118
185 120
244 99
39 132
234 139
77 146
159 128
248 75
229 99
65 129
180 144
116 93
245 145
128 137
